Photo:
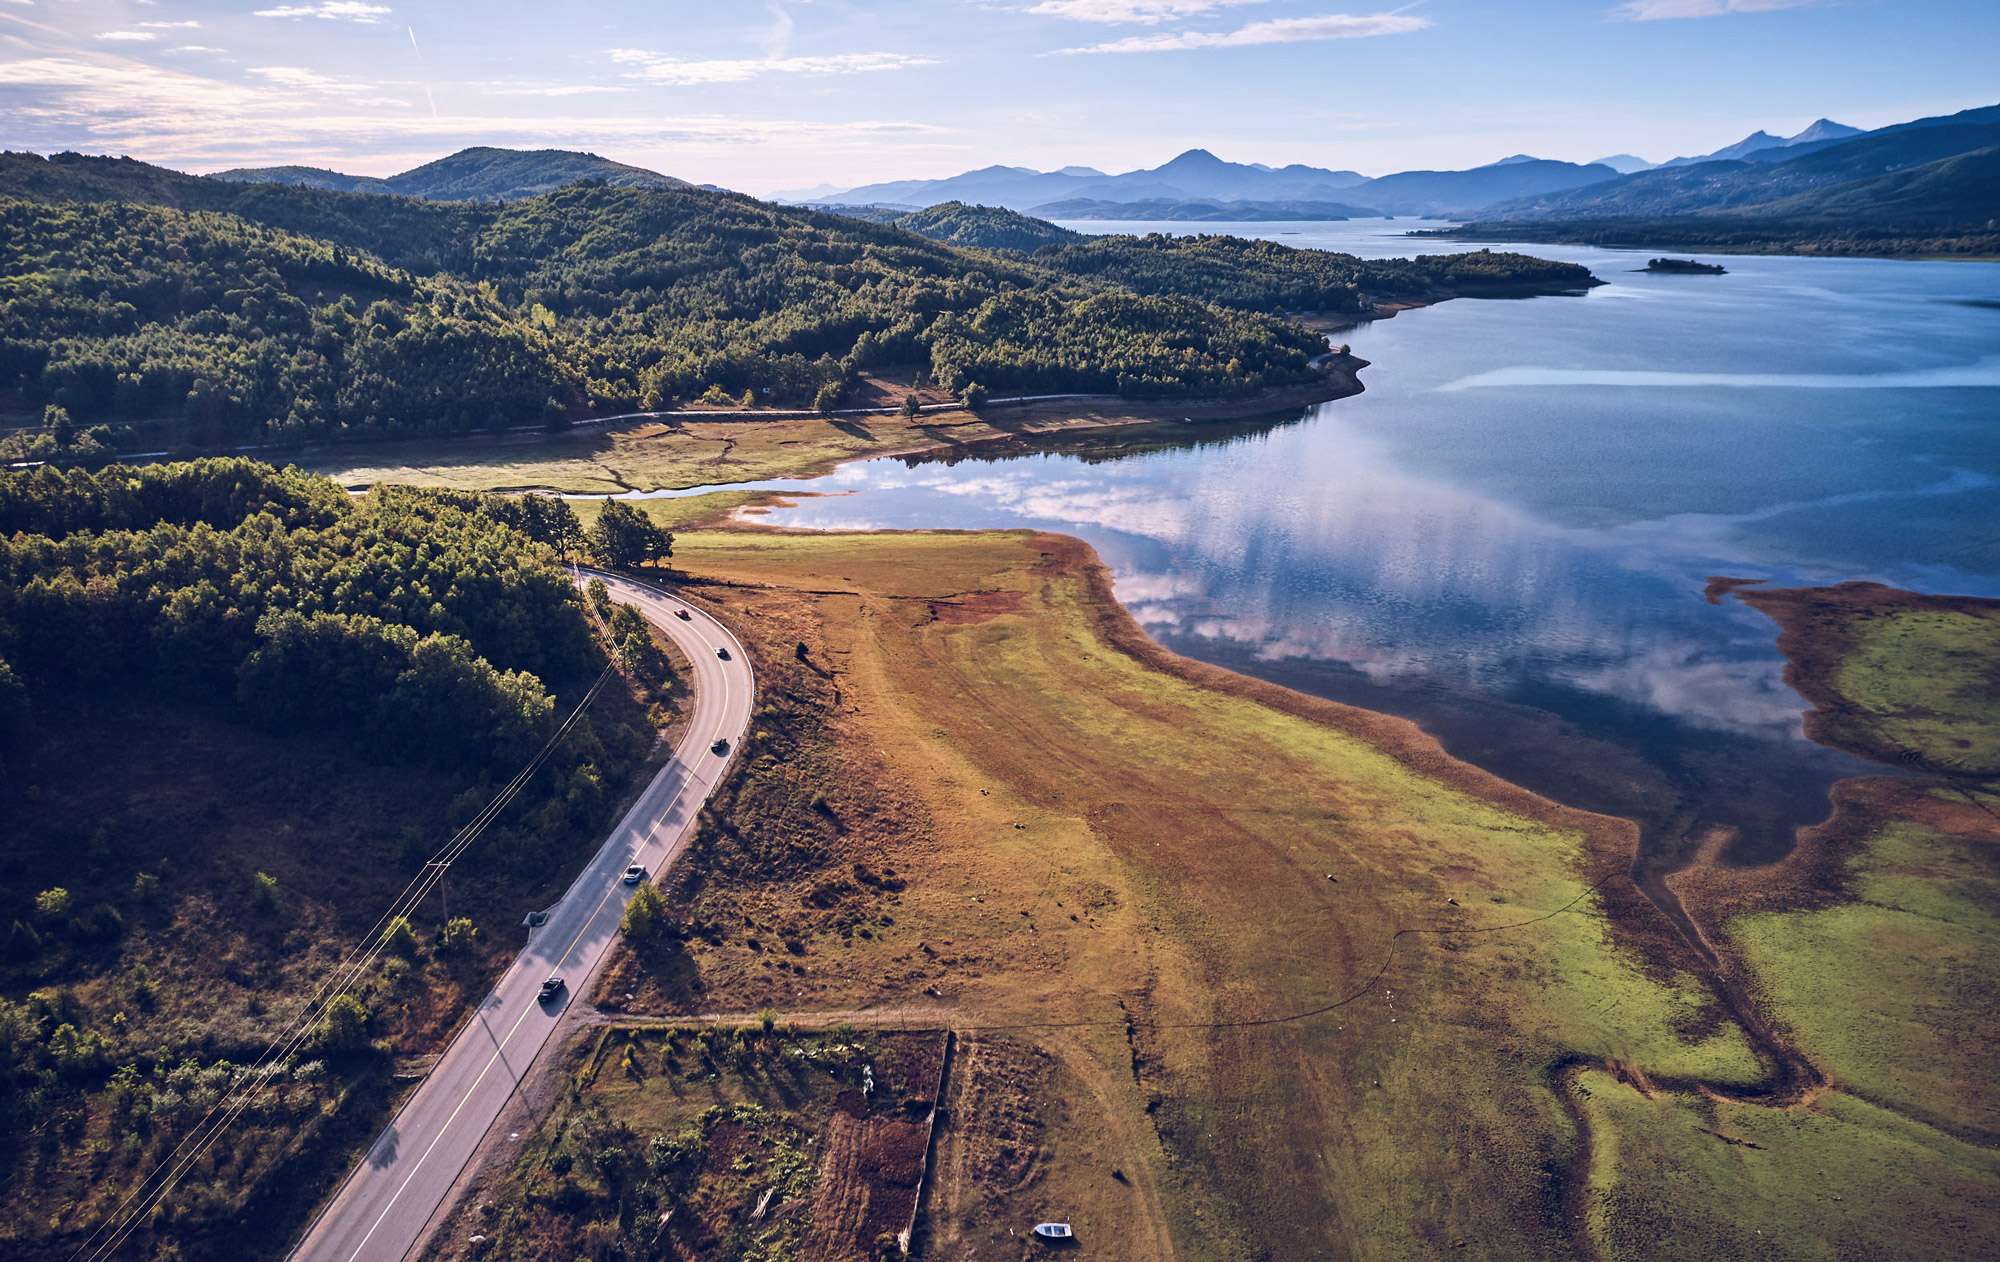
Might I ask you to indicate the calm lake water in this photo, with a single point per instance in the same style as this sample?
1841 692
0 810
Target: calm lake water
1507 536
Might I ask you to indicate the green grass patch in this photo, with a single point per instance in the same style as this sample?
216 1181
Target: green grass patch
1682 1176
1928 680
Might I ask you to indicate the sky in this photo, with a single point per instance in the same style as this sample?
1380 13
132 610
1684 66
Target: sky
770 95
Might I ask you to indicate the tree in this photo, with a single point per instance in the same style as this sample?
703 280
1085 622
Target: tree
600 597
646 914
911 406
973 396
344 1028
625 536
264 891
828 397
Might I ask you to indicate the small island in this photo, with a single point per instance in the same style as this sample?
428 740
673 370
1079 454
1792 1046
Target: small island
1684 267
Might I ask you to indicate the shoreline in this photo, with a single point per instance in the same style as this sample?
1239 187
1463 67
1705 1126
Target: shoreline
805 449
1813 625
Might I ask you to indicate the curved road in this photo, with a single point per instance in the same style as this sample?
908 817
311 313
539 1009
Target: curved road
380 1213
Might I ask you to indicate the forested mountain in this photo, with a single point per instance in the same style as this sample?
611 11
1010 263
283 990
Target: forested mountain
239 313
984 227
470 175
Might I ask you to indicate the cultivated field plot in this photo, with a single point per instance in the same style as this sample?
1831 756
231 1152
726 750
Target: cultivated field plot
714 1141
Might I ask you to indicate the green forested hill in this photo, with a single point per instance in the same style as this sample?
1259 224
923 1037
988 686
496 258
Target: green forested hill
239 313
482 173
985 227
1265 276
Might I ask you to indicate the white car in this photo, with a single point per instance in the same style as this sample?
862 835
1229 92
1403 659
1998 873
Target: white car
635 874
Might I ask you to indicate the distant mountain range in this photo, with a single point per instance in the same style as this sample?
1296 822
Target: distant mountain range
1208 212
1925 188
1194 183
1764 143
470 175
1747 184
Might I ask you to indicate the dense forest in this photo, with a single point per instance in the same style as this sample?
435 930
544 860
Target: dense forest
415 618
247 313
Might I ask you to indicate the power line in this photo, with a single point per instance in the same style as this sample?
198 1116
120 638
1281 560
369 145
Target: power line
344 976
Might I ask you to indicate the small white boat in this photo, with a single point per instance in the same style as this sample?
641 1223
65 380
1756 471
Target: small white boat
1054 1231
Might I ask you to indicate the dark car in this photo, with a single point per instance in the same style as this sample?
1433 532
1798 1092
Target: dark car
551 988
682 614
722 653
721 746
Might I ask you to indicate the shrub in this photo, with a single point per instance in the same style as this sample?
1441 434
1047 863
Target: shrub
399 938
52 905
457 936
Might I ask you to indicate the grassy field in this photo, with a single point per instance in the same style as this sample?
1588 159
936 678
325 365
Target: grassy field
1239 974
1304 987
684 451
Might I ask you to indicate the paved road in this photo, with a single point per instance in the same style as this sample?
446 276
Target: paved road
379 1214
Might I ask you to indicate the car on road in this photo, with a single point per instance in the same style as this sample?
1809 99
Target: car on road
551 988
721 745
682 614
635 874
722 653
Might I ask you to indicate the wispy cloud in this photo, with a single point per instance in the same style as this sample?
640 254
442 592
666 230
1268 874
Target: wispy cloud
1657 10
1278 31
301 79
287 113
127 37
196 48
329 10
1144 11
554 89
168 26
658 68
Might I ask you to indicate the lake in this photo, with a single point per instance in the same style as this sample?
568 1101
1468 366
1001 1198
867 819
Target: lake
1506 538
